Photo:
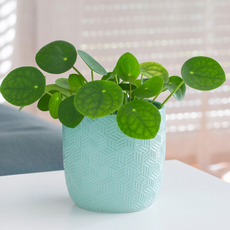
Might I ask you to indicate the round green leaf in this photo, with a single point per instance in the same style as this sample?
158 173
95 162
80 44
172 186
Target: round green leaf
23 86
56 57
43 103
139 119
75 82
152 69
54 102
67 113
92 63
62 82
173 83
125 86
98 98
203 73
128 68
150 88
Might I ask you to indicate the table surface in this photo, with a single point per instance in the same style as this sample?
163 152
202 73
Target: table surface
189 199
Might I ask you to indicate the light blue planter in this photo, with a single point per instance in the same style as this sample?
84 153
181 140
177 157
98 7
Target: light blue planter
106 171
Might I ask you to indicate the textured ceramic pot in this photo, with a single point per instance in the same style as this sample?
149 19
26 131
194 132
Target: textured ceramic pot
106 171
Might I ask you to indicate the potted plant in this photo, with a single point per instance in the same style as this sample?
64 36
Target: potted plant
113 133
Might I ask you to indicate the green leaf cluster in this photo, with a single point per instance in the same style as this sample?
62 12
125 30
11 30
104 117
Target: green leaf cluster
129 91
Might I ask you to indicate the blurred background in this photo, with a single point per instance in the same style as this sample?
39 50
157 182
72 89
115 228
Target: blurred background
168 32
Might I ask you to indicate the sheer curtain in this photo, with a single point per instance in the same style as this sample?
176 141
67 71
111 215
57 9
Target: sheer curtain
168 32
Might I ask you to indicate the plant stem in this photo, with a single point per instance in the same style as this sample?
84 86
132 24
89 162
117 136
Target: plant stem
52 94
125 99
20 108
130 91
48 93
141 78
157 95
154 98
116 79
92 74
171 95
79 73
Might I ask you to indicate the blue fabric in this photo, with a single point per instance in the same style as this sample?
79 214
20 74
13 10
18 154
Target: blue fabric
28 144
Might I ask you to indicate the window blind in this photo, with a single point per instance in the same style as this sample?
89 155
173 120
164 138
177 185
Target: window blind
170 32
7 34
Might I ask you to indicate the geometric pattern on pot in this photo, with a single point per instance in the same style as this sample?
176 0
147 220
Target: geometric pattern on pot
107 171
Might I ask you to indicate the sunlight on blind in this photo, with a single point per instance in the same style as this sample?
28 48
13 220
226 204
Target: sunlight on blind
7 34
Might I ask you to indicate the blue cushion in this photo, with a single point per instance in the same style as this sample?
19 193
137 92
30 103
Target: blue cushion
28 144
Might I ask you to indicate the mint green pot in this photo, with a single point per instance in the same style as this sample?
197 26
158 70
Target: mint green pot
106 171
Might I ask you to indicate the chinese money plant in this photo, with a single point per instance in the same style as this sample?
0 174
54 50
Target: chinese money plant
124 92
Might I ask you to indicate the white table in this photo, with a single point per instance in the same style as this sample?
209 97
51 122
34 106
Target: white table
189 199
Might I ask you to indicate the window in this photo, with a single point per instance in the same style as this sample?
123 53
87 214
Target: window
7 34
